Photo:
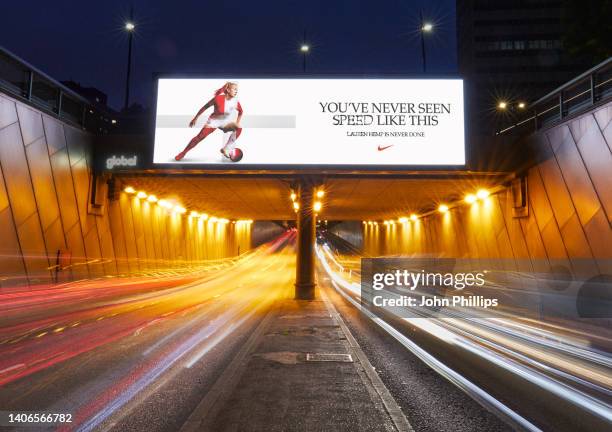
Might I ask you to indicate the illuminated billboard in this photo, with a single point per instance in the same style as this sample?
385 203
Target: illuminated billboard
302 123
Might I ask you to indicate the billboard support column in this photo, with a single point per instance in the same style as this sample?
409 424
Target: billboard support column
306 225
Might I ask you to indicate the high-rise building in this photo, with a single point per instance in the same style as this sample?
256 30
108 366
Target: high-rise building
91 93
511 53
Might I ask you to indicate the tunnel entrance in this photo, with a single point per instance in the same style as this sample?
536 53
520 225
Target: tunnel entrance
291 200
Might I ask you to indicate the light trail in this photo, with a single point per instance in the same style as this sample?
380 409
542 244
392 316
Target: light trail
175 321
544 357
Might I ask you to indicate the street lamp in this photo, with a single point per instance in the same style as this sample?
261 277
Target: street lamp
129 28
304 49
426 27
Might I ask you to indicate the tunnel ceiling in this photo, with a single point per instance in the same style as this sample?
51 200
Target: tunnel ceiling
346 198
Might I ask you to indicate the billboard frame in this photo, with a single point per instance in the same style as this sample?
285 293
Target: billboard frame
309 169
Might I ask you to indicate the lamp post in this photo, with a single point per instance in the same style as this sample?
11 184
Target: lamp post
129 27
426 27
304 48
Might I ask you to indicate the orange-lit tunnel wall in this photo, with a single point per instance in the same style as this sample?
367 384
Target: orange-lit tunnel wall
569 210
146 236
45 181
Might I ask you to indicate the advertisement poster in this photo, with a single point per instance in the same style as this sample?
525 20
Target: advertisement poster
302 122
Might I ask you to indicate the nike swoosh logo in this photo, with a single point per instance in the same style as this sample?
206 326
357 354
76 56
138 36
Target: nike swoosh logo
381 148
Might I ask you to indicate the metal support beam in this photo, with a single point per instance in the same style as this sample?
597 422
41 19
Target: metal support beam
306 225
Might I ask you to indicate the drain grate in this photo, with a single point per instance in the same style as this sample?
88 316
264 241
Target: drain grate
329 357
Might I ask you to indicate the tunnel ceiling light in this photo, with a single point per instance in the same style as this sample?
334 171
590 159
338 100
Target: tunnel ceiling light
482 193
194 214
317 206
212 219
443 208
152 198
141 195
413 217
293 196
403 219
129 190
470 198
179 209
223 221
502 105
320 193
296 205
203 216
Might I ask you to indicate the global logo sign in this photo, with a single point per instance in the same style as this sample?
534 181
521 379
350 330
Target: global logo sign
121 161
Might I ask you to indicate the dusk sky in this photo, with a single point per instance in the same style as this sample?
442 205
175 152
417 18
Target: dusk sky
85 41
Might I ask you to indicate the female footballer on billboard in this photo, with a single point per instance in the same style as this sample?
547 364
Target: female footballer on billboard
225 117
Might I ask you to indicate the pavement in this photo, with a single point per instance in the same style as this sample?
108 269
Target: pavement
300 370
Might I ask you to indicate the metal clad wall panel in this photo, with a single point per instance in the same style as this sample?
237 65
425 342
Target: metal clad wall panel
75 141
116 230
92 251
64 187
537 198
33 248
82 187
78 261
42 181
577 180
8 112
4 201
603 116
600 239
128 227
556 191
139 233
31 124
54 238
106 242
578 248
596 156
54 132
147 213
12 270
16 174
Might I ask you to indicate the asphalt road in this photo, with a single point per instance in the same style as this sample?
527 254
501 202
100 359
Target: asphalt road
140 354
430 402
538 375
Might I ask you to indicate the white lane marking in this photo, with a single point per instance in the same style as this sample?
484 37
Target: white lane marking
457 379
8 369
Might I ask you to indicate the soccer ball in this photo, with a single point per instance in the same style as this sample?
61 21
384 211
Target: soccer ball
235 155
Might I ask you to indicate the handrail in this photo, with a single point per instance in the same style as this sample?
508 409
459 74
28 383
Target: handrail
575 80
598 79
18 78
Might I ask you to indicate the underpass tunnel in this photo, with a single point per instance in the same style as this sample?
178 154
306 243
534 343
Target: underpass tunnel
63 218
